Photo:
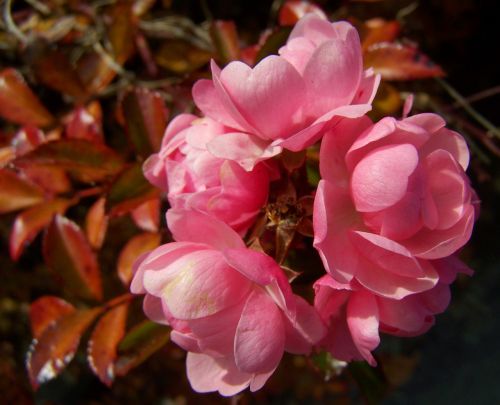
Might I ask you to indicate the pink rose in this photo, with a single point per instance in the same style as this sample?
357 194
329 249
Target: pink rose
196 179
355 316
393 196
287 101
230 307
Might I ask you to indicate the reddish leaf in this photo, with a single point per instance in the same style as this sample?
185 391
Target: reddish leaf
129 191
145 119
136 246
6 155
69 255
45 311
95 72
147 215
27 139
87 161
54 180
378 30
293 10
96 223
140 343
86 123
181 57
53 69
225 39
57 345
121 31
400 62
17 193
102 347
30 222
18 103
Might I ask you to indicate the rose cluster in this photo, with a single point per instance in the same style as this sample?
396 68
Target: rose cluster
392 208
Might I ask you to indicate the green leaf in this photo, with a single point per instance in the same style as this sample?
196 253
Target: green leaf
370 380
129 191
273 43
140 343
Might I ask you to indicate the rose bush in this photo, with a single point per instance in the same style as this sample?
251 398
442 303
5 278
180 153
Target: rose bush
194 178
393 196
287 101
230 307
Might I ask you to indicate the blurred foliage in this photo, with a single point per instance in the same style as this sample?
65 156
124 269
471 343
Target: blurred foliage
86 90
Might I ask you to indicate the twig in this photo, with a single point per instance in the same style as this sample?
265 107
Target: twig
106 57
467 107
39 6
11 25
406 11
481 95
273 12
206 10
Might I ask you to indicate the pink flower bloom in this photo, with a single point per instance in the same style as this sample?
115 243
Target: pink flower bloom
196 179
355 316
230 307
394 195
287 101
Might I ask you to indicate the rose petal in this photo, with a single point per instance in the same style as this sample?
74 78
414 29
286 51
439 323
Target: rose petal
386 253
267 96
380 179
363 322
333 217
247 150
260 336
197 227
333 74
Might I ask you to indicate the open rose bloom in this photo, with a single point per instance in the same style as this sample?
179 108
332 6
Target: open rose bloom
391 211
230 307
